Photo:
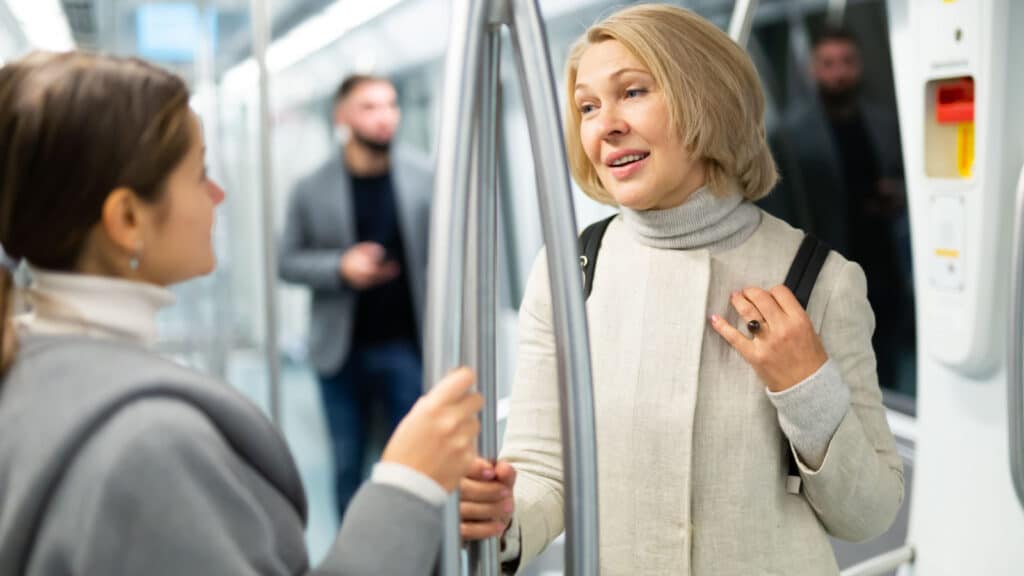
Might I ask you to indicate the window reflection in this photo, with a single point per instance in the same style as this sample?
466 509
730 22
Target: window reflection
837 144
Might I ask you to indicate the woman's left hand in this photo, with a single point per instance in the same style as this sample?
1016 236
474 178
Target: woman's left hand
785 349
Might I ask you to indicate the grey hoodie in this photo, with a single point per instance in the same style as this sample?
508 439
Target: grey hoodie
115 461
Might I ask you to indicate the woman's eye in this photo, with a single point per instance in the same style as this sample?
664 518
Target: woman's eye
586 108
634 92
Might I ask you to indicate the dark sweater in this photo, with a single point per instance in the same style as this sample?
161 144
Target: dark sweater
385 312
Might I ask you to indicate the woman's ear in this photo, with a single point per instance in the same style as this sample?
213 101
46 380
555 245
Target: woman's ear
123 219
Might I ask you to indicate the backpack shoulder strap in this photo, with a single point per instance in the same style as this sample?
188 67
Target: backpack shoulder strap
803 273
590 243
800 279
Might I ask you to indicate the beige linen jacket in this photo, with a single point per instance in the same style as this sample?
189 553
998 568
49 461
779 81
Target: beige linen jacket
691 458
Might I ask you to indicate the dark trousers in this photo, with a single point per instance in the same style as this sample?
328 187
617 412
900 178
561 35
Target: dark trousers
388 374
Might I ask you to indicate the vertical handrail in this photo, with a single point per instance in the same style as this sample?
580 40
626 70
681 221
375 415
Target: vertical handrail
882 564
579 451
742 21
1015 384
483 554
447 233
260 38
836 12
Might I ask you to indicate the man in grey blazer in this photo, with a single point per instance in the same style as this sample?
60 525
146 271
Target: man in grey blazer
356 235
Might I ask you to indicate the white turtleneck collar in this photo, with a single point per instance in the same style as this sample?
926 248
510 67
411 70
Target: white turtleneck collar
704 220
94 306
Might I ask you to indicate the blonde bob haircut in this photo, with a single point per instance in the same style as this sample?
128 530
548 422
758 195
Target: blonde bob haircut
712 90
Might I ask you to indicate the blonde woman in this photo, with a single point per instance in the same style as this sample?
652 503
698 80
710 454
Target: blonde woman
696 416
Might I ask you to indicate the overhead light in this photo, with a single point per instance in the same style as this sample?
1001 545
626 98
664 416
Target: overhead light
310 36
44 24
323 29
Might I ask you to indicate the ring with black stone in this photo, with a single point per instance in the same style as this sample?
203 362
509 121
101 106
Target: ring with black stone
753 326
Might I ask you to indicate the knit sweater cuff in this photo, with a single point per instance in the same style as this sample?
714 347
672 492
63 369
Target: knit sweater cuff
409 480
810 412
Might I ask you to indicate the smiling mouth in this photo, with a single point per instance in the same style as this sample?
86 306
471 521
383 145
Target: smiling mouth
629 159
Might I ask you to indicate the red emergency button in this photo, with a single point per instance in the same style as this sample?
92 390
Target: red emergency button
955 102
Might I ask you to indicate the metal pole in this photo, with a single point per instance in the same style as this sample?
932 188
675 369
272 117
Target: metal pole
483 555
1015 381
882 564
836 12
579 452
447 229
206 87
260 38
742 21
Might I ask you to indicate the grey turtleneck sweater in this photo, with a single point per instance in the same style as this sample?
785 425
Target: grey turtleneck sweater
705 220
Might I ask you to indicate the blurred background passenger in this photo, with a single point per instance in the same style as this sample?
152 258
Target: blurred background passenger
114 460
356 234
841 157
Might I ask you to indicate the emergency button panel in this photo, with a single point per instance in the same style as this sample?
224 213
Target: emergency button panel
949 128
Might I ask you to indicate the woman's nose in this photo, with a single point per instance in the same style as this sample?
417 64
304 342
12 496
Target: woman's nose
217 193
612 123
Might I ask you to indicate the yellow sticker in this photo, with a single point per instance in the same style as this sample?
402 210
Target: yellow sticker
965 149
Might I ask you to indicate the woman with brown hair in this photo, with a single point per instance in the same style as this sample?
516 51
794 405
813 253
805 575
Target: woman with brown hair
114 460
708 374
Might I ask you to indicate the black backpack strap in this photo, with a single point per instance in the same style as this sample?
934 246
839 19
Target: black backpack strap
805 268
800 279
590 243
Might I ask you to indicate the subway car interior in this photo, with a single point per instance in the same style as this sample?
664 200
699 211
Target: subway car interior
939 235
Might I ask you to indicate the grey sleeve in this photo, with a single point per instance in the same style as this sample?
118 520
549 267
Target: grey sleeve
386 532
158 491
298 261
857 490
810 412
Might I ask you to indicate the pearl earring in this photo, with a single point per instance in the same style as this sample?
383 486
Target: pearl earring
133 262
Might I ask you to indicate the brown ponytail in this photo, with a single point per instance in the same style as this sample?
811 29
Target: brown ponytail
73 128
8 343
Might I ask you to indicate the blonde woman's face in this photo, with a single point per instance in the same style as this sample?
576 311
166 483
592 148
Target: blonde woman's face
625 131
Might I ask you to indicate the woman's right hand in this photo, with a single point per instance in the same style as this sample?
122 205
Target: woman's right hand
487 502
437 438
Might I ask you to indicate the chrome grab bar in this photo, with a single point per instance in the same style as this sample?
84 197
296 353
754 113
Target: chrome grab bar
261 35
482 303
882 564
558 222
441 345
742 21
468 118
1015 382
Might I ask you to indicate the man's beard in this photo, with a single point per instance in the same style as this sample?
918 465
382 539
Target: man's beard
841 99
374 145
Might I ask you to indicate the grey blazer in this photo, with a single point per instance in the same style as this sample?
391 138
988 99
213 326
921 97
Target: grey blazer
116 461
320 226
